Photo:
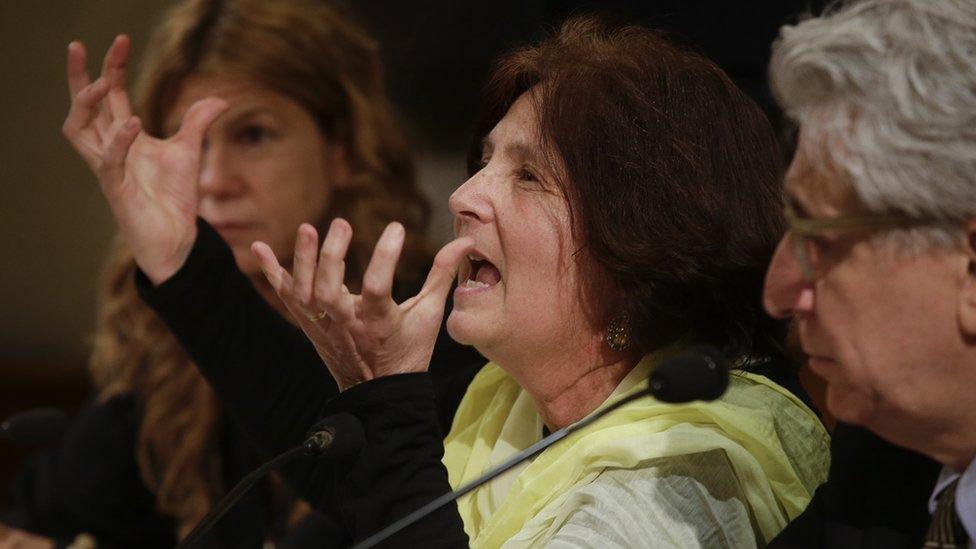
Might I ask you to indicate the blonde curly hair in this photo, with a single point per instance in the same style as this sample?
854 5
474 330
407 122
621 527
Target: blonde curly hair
309 51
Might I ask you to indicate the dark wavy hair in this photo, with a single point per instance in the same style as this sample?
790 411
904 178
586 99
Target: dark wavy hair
672 175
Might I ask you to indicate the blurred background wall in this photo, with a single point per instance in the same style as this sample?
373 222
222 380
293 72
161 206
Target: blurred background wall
56 229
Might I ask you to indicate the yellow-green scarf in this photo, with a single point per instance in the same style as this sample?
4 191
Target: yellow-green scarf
777 468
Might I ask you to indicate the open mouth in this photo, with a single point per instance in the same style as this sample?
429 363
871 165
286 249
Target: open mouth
481 273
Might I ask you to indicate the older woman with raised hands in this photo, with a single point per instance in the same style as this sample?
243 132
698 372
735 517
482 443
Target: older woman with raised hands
302 131
623 205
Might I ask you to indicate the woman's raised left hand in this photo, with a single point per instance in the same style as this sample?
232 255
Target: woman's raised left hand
362 337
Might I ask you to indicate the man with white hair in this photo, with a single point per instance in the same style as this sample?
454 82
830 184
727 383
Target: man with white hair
878 267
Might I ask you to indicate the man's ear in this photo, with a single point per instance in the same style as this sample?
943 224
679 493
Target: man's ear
967 289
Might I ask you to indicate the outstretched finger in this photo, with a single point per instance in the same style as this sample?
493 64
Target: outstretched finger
378 278
77 75
113 70
197 120
284 286
277 276
303 264
332 264
113 65
446 262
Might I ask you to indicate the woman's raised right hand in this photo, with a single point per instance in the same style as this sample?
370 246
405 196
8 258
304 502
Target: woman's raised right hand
150 184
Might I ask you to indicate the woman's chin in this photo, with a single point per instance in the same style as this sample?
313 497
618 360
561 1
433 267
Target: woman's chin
465 329
456 328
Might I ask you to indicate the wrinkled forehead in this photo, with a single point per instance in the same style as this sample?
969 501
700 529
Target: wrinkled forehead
815 180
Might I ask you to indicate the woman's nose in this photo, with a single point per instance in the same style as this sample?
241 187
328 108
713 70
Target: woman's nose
786 292
219 173
471 202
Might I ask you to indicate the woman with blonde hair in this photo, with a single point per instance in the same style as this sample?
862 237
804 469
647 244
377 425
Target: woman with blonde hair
305 134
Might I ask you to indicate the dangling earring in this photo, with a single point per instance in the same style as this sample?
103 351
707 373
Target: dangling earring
618 332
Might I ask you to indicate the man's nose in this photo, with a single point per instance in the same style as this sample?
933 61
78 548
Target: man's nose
786 292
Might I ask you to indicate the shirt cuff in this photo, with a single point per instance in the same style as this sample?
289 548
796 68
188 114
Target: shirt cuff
415 389
208 263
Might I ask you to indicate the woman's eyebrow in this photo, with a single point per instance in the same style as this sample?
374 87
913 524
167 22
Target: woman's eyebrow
253 111
487 146
173 126
520 150
523 151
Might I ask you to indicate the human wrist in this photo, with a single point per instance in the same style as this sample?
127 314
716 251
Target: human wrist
159 268
382 391
348 382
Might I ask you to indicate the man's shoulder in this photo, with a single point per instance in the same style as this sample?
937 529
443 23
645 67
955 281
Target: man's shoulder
875 496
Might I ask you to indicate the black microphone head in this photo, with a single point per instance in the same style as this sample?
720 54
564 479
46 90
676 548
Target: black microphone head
38 427
338 436
700 374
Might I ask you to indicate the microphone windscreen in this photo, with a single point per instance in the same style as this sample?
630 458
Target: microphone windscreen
38 427
345 437
700 374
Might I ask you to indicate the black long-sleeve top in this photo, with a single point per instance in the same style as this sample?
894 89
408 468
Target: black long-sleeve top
260 367
91 483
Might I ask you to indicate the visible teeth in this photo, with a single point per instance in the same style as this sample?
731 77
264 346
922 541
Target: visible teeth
474 284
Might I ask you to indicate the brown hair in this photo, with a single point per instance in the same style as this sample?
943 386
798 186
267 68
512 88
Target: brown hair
310 52
672 175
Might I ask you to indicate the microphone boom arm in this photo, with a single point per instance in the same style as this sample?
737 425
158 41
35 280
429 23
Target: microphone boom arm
239 490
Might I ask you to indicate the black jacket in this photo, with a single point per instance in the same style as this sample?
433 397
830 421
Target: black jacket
92 484
269 379
876 496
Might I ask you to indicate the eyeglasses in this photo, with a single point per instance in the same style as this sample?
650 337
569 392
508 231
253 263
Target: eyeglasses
803 231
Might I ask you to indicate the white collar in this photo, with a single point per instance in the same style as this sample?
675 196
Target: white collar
965 496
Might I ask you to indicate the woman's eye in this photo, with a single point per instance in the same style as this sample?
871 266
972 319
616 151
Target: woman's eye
253 135
525 175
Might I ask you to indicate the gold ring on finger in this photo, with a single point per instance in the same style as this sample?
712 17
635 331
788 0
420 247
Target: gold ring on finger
317 316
